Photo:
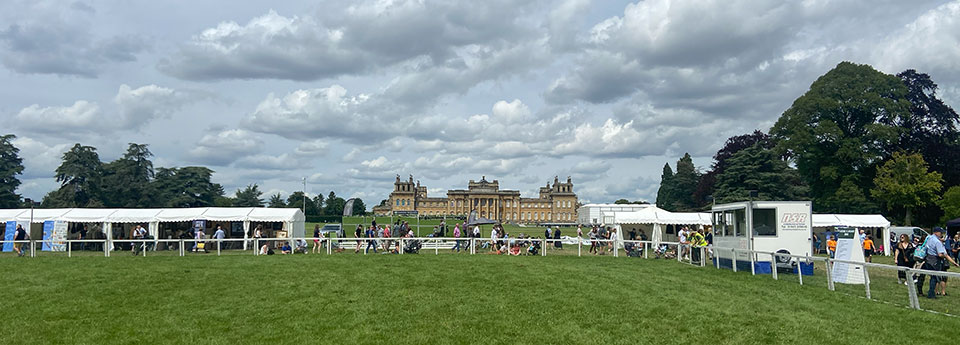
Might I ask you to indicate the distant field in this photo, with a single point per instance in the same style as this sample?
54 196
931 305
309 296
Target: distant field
427 299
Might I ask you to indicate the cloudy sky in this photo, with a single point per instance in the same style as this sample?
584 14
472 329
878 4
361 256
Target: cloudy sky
350 93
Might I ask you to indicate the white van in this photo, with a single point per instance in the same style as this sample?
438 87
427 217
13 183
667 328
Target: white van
910 231
769 226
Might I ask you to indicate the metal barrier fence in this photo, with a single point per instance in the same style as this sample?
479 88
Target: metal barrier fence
877 279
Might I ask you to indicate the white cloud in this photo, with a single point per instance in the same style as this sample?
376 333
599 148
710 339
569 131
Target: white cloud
64 120
142 105
312 148
225 147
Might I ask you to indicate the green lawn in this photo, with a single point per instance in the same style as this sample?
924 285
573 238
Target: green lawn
417 299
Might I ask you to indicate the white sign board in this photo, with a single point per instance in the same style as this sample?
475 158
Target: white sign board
849 248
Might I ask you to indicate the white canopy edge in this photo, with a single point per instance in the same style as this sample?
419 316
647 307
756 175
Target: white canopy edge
129 215
851 220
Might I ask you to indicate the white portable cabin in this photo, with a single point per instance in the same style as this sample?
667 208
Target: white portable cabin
593 214
769 226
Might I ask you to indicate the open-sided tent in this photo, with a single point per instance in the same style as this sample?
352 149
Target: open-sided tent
292 218
655 218
823 222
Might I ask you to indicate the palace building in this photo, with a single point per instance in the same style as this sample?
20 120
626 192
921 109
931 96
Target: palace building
556 203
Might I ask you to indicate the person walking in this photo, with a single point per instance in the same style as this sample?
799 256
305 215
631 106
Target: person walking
371 243
316 239
19 235
832 246
456 235
199 235
556 236
358 234
868 249
593 240
219 235
934 255
903 256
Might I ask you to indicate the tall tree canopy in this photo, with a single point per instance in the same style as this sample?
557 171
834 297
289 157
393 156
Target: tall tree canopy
733 145
760 169
840 129
334 205
248 197
11 165
126 181
665 195
359 209
296 200
950 204
80 176
905 181
685 184
186 187
931 127
276 201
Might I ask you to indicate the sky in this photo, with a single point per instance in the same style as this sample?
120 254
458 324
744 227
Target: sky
349 94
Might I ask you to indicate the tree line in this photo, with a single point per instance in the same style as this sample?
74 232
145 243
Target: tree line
132 182
858 141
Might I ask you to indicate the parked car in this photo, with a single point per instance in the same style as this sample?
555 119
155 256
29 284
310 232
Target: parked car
910 231
332 228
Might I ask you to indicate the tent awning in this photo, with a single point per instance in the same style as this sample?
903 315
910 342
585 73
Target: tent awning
135 215
41 215
87 215
852 220
655 215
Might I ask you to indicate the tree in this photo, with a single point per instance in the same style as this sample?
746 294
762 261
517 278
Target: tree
665 195
931 127
627 202
359 209
685 184
841 129
11 165
734 144
126 181
334 205
318 203
950 204
760 169
79 177
187 187
905 181
249 197
276 201
296 200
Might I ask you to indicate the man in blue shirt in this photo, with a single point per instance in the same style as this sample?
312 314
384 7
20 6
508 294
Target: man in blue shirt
935 253
219 235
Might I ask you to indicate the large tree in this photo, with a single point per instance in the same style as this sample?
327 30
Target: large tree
276 201
187 187
334 205
248 197
950 204
296 200
126 181
79 177
665 195
905 181
733 145
760 169
841 129
931 126
685 184
11 165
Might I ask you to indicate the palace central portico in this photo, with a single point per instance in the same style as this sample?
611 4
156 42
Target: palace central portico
556 203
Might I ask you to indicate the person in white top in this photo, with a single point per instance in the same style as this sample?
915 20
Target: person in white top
613 240
579 231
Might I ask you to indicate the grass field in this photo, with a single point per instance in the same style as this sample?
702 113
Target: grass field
418 299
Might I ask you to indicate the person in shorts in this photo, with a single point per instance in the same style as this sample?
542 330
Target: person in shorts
19 235
868 249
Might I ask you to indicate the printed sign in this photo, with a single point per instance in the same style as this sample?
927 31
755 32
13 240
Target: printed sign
54 236
47 236
849 248
11 228
794 221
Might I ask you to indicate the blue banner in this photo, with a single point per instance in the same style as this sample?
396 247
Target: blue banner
47 234
8 236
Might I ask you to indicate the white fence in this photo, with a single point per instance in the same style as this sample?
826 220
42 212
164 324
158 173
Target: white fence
697 256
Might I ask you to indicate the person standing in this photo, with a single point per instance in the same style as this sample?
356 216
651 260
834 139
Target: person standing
456 235
903 255
593 240
199 235
832 246
19 235
316 239
868 249
219 235
371 243
816 244
579 231
358 234
493 238
933 260
556 235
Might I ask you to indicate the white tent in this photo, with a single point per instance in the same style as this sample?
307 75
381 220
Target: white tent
855 221
292 218
657 217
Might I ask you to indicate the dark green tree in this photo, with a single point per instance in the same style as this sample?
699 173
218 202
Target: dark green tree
276 201
905 181
685 185
11 165
931 127
665 195
248 197
296 199
318 203
359 209
79 177
759 169
734 144
334 205
126 181
839 130
187 187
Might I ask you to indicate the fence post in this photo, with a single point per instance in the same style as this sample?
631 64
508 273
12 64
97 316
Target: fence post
753 266
734 261
716 257
703 257
436 247
33 253
773 266
912 289
866 280
329 245
543 247
106 249
679 252
402 245
219 241
144 244
799 272
69 249
646 250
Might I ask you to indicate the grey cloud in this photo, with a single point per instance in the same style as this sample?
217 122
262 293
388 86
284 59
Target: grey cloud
225 147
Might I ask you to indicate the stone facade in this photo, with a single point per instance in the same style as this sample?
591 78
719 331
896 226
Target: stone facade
556 203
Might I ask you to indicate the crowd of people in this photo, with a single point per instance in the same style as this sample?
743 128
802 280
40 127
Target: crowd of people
936 252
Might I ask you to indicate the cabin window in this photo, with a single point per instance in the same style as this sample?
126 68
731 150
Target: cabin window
765 222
